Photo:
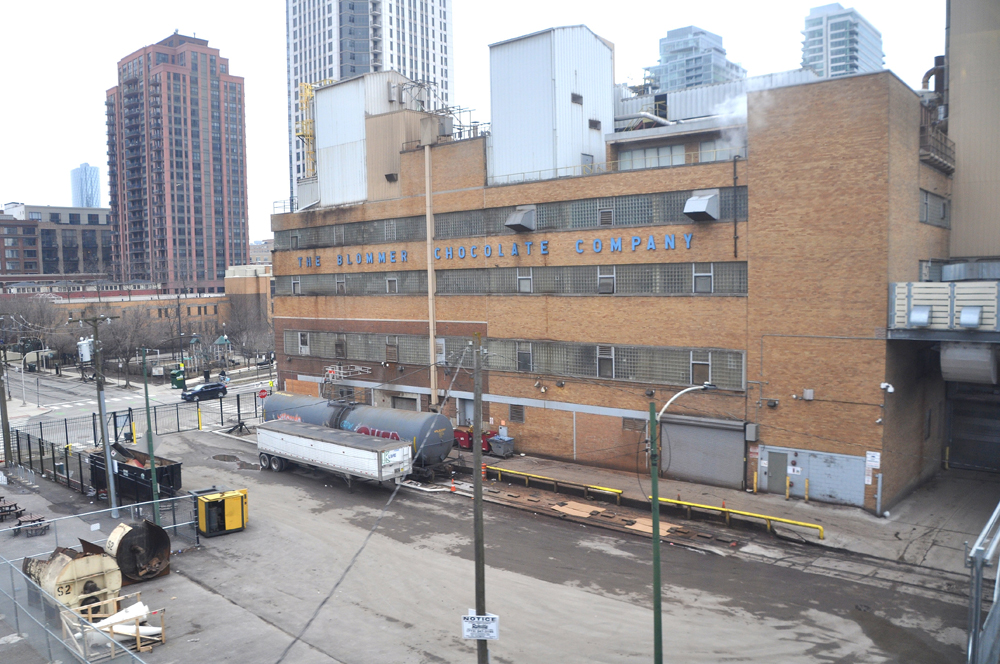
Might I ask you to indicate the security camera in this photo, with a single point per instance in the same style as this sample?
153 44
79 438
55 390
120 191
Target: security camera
887 387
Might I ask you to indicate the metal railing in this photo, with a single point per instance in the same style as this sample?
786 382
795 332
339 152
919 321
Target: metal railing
285 206
635 164
936 149
984 636
726 511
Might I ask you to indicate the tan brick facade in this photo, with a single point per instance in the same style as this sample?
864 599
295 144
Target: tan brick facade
833 179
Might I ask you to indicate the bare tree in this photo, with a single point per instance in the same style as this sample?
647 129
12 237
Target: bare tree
125 336
248 325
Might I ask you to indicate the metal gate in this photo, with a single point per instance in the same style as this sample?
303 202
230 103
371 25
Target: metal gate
704 454
974 413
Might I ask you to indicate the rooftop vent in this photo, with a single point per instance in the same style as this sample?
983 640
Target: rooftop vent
703 205
920 316
522 219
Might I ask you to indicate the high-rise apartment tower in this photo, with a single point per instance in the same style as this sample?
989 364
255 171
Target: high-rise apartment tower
177 165
838 42
86 184
337 40
691 56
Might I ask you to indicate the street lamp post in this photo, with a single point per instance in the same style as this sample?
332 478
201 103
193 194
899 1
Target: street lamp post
654 463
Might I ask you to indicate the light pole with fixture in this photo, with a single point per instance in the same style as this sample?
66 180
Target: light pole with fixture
654 462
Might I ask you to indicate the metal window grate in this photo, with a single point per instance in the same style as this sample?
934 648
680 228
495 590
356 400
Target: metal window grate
633 424
517 413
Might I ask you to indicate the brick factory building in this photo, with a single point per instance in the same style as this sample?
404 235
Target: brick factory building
756 251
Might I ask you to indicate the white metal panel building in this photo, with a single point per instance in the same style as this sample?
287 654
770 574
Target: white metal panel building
552 97
340 111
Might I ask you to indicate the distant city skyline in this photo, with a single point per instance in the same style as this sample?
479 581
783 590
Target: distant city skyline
690 57
256 40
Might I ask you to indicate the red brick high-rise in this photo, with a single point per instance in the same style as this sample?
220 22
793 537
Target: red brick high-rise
177 166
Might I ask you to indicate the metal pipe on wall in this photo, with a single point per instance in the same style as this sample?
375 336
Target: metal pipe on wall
431 281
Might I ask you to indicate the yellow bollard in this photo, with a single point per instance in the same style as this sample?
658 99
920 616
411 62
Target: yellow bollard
807 489
755 481
199 417
788 487
133 433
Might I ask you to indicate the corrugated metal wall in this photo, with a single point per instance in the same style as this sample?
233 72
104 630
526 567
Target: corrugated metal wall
833 478
521 105
974 97
584 65
339 112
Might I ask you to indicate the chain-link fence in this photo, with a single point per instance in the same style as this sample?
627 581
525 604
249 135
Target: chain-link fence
45 627
65 452
46 631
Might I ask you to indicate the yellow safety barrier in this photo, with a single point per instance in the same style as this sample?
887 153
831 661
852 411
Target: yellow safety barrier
617 493
727 511
199 417
133 433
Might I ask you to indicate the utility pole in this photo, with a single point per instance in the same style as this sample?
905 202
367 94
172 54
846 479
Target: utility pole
149 445
654 475
8 449
477 475
95 323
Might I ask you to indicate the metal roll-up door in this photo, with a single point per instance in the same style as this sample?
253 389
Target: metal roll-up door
975 427
703 454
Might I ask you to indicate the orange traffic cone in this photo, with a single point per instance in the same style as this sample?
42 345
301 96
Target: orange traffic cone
453 489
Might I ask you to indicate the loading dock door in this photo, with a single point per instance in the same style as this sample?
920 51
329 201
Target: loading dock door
708 455
975 427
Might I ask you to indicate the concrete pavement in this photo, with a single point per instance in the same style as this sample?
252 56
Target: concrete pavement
927 528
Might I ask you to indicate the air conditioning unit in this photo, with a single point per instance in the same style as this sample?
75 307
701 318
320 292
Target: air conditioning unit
522 219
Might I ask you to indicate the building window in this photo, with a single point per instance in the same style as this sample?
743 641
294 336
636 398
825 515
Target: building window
296 285
9 242
517 413
392 348
303 343
93 218
295 242
701 368
340 347
391 285
606 279
605 361
55 216
524 356
524 280
702 277
341 281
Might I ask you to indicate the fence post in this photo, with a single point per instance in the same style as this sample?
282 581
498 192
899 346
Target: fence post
239 418
222 414
52 451
156 424
17 440
79 458
41 432
41 457
66 429
93 422
31 464
114 417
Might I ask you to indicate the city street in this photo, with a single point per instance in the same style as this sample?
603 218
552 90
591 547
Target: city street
563 591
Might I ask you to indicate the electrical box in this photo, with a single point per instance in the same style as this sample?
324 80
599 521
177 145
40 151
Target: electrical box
808 395
750 432
222 513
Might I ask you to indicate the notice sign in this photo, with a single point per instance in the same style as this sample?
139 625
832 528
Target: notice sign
873 459
481 627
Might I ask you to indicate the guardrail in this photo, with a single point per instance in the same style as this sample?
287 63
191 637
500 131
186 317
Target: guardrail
728 511
617 493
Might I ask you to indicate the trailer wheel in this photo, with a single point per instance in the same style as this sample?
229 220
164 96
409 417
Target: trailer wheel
265 462
277 464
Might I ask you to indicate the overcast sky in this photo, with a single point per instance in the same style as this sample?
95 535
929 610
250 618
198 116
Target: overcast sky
60 58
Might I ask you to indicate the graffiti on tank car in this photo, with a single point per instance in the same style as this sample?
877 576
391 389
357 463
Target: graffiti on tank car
378 433
290 418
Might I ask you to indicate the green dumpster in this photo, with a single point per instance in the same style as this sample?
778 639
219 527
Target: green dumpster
177 379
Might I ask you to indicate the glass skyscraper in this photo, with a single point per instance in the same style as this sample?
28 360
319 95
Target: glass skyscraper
691 56
838 42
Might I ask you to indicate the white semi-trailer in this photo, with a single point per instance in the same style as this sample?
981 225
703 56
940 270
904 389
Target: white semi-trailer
282 443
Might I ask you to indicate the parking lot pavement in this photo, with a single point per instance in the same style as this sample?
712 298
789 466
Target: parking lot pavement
564 591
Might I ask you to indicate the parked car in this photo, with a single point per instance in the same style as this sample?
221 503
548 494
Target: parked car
203 392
